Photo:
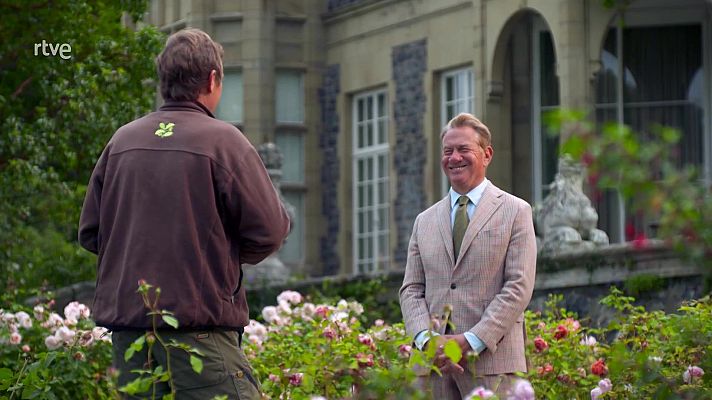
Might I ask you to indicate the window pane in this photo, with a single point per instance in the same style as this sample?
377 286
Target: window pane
292 147
293 249
361 170
383 192
360 136
289 97
450 112
383 219
381 105
449 88
369 129
230 106
361 225
383 245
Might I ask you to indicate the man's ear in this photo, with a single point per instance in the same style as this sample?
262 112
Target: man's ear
213 81
489 152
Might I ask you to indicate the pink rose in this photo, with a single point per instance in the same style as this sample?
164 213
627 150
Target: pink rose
404 350
322 311
366 339
605 385
329 333
522 390
481 392
15 338
296 379
691 373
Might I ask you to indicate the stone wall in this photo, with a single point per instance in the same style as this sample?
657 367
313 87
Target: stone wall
328 145
409 158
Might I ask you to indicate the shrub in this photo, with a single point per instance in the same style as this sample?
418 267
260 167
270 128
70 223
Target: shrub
305 350
46 356
638 355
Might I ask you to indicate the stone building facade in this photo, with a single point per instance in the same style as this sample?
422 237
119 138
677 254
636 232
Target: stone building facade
355 92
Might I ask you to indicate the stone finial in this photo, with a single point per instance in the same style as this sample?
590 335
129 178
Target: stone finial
270 155
566 220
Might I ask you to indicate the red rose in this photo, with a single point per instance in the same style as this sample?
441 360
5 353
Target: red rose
599 368
540 344
561 332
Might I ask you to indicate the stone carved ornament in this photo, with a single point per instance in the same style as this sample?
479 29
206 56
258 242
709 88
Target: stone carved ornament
565 220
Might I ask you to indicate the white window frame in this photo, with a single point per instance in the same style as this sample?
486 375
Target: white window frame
463 101
371 154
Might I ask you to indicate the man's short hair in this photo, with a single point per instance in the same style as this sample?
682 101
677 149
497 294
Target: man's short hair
465 119
185 64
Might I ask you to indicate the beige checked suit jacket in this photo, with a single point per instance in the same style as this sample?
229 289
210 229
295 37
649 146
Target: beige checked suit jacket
488 286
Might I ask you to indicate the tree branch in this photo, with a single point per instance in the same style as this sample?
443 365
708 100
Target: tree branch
22 87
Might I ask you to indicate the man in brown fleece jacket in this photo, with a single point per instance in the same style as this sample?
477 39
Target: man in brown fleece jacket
181 200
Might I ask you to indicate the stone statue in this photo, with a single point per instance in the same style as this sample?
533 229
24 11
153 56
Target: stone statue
271 270
565 220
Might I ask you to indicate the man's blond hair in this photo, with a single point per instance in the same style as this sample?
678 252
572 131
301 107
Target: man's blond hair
465 119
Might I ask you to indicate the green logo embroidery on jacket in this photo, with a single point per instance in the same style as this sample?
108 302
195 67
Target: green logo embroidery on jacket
165 129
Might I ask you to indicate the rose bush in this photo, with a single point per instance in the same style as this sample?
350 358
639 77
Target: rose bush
638 355
306 349
302 350
45 355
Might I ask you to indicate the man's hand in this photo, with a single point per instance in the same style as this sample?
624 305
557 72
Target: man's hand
443 362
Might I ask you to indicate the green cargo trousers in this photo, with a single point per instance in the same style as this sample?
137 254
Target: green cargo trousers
226 370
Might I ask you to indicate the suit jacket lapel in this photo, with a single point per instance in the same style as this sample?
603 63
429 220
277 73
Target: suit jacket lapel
489 203
443 216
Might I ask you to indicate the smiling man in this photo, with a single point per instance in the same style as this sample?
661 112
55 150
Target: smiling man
471 266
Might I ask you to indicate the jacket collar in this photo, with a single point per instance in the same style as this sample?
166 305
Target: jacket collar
172 105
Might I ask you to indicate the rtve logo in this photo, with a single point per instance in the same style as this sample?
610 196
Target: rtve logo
64 50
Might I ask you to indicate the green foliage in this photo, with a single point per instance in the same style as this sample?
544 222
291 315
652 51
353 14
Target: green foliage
150 376
642 167
639 284
55 117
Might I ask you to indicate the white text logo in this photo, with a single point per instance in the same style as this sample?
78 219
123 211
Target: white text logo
64 50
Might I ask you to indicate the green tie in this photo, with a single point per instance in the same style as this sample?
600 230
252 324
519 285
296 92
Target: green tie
460 225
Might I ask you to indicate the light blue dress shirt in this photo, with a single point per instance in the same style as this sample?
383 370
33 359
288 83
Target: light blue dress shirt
475 195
